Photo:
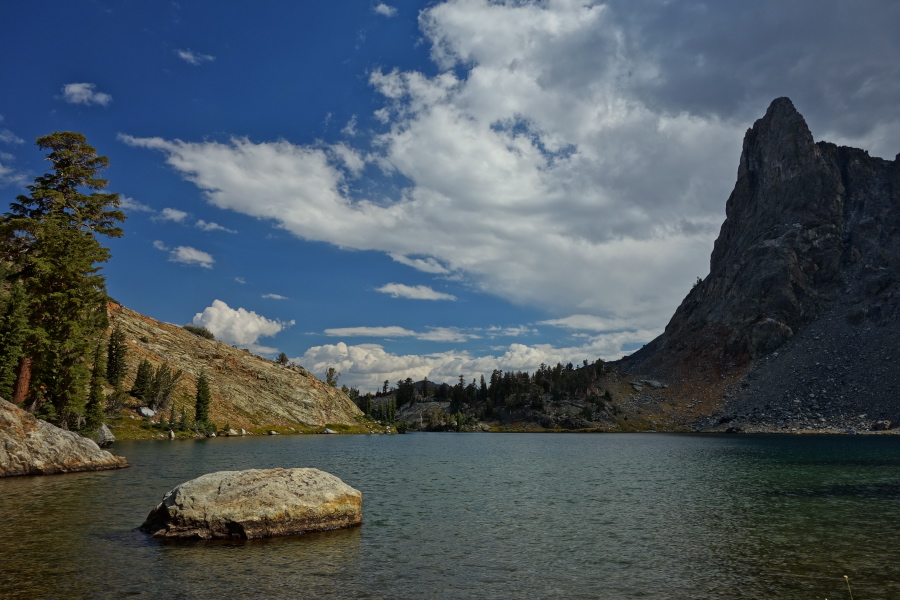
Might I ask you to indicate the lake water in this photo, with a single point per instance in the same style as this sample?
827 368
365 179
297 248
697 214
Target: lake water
487 516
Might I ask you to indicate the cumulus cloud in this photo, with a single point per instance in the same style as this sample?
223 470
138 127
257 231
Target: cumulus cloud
194 58
567 155
523 174
413 292
186 255
172 214
383 9
239 326
84 93
367 365
210 226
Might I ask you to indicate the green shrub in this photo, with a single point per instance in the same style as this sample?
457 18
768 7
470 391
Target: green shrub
201 331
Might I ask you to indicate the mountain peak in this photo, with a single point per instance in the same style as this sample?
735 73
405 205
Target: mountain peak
780 143
803 273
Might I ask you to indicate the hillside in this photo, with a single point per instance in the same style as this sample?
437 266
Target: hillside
248 391
795 327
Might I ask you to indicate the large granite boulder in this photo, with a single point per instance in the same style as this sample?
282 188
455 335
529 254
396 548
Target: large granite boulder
256 503
30 446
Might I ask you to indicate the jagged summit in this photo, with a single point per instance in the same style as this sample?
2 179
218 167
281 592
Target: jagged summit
812 234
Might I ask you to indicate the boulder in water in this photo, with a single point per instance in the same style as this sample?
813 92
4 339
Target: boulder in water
104 437
256 503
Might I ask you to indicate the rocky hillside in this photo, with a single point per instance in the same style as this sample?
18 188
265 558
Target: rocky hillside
796 325
248 391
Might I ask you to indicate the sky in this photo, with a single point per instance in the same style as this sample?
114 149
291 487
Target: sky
412 188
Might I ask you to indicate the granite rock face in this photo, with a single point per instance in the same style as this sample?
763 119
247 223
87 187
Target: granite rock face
30 446
806 268
247 391
256 503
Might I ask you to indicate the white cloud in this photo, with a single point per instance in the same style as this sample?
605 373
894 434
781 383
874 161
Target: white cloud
426 265
201 224
446 334
131 204
186 255
535 169
383 9
350 127
431 334
417 292
85 93
381 332
9 175
368 365
239 326
274 296
8 137
495 332
194 58
588 323
172 214
352 160
240 280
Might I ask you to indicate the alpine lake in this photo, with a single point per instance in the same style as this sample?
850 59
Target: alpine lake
446 515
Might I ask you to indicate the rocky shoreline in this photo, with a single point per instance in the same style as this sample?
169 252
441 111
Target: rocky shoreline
30 446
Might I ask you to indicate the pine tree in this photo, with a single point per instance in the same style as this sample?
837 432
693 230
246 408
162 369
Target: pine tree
201 410
49 238
161 387
116 351
13 333
94 409
142 380
332 376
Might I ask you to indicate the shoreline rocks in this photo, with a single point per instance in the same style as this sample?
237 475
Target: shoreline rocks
30 446
255 503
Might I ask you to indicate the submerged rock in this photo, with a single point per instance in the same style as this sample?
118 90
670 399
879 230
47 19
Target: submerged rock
30 446
256 503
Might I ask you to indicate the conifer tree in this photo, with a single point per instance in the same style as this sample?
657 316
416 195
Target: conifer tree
94 409
49 238
143 379
201 410
162 386
116 352
13 333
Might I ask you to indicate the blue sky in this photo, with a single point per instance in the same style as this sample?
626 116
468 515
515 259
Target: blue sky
429 188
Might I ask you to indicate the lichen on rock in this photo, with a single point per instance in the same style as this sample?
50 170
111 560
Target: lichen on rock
30 446
255 503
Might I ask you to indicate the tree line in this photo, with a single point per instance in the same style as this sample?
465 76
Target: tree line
483 397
